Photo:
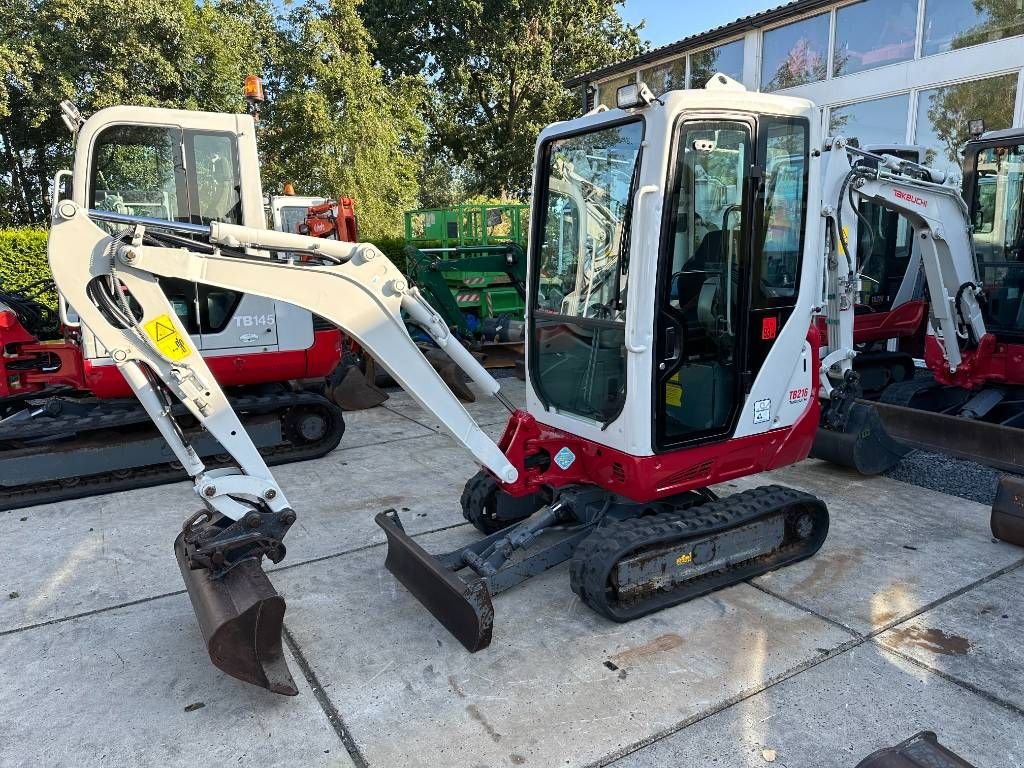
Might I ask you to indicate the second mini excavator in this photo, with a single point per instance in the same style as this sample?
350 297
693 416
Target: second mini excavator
673 343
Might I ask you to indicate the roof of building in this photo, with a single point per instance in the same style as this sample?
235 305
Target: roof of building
742 24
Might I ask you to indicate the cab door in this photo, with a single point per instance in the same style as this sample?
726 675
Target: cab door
729 274
701 316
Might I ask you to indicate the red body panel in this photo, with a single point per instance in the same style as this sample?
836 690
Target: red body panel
106 381
61 364
905 321
991 362
647 478
28 365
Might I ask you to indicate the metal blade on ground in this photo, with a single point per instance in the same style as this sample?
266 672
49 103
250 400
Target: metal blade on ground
464 608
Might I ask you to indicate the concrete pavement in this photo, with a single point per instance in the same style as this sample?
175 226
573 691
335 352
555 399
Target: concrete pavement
907 619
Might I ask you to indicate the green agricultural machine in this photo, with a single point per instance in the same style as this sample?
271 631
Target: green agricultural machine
470 260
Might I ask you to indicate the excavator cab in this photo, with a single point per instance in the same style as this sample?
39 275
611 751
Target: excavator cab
670 347
994 189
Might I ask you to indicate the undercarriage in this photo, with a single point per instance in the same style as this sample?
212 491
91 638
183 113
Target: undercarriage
626 559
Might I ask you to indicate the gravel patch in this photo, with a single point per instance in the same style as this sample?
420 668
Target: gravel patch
945 474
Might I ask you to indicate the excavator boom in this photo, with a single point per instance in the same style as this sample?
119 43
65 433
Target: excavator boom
245 513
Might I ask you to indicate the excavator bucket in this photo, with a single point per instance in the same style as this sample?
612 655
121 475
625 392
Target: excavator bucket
450 373
463 607
353 387
864 445
241 616
1008 510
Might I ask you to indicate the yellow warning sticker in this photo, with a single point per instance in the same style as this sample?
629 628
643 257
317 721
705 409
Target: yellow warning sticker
673 392
684 559
846 239
167 339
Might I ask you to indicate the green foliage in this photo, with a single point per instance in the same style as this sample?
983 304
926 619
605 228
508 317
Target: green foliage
452 103
496 71
952 107
332 127
336 127
98 53
22 257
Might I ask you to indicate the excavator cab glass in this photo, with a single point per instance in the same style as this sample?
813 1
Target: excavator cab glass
730 264
586 183
165 172
995 181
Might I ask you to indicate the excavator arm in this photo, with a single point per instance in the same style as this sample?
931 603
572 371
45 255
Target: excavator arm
112 282
853 434
942 230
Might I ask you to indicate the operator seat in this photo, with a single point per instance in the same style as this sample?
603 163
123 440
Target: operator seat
691 283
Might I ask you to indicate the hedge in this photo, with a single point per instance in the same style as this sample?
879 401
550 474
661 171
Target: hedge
22 257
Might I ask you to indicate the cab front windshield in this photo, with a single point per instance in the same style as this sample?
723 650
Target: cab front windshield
581 278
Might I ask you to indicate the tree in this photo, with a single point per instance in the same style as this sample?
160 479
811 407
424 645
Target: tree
996 19
951 108
334 127
97 53
496 72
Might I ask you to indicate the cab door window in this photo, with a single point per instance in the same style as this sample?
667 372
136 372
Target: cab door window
214 183
702 295
998 217
780 213
139 171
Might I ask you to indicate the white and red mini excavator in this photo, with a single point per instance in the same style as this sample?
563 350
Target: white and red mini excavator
690 313
70 425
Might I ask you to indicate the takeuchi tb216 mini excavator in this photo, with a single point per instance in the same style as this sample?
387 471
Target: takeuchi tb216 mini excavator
683 250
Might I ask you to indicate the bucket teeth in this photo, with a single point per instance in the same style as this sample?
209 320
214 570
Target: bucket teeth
241 617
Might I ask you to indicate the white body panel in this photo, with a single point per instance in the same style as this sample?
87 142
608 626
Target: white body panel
280 327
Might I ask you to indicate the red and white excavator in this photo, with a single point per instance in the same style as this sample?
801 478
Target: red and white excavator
975 411
691 303
69 423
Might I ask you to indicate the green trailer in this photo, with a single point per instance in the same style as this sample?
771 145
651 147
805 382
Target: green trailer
476 239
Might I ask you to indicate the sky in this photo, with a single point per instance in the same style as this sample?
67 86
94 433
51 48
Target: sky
670 20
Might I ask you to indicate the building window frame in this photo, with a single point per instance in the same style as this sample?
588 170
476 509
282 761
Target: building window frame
697 51
761 32
911 106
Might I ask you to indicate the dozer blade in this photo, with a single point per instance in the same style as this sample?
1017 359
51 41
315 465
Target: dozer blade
464 608
864 445
241 616
357 389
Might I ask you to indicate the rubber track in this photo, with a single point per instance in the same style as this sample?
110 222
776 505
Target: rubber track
477 494
117 414
903 393
249 407
596 556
